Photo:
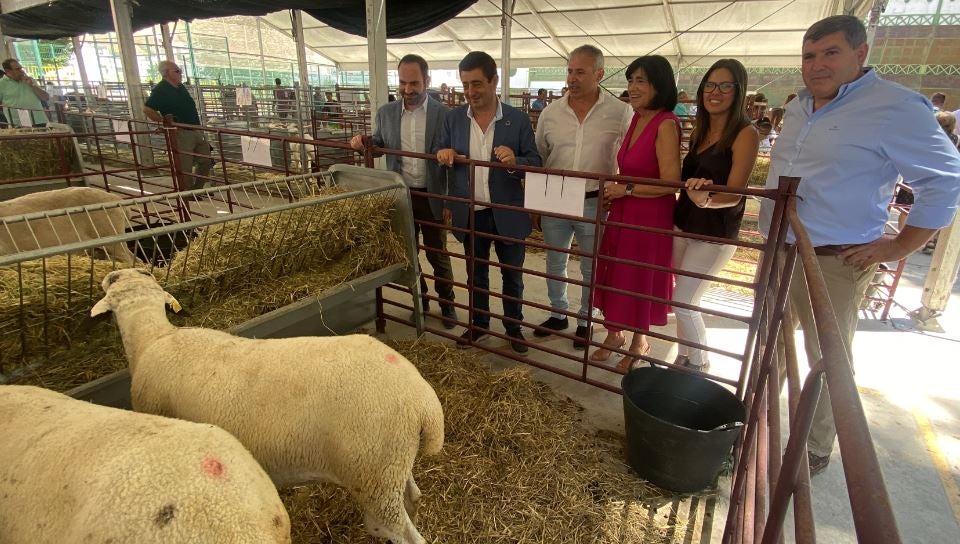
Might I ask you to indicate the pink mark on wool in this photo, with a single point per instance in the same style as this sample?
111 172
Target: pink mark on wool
212 467
391 358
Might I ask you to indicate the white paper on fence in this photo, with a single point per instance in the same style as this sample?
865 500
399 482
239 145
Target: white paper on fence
25 118
255 150
244 98
556 194
101 92
121 126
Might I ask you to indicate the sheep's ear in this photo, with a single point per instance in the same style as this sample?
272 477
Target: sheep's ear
101 307
174 305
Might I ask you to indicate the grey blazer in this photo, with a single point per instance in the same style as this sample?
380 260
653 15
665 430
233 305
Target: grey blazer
387 134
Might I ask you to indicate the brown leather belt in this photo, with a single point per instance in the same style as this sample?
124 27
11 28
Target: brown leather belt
831 250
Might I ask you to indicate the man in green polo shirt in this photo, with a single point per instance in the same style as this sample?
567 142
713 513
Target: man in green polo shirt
170 97
20 96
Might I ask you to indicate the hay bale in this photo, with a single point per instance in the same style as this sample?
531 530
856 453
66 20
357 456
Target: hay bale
517 467
24 159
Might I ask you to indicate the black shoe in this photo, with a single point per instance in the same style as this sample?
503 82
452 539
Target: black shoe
554 324
449 311
468 338
583 335
817 464
517 344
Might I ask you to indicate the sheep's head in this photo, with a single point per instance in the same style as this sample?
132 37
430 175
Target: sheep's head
131 286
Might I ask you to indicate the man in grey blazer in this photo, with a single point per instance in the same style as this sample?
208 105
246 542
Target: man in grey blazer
414 124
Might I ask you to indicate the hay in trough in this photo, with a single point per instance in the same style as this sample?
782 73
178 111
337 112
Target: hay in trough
269 246
252 262
31 158
43 303
516 467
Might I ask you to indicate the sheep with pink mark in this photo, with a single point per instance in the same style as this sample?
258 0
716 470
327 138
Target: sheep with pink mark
71 471
348 410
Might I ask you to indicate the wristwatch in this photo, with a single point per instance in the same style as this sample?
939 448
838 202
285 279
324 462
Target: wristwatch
629 189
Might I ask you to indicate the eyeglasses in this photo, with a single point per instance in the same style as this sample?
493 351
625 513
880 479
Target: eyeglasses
725 87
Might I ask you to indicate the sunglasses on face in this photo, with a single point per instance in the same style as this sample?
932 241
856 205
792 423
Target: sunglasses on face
177 71
725 86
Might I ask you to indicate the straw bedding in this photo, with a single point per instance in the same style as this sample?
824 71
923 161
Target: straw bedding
516 467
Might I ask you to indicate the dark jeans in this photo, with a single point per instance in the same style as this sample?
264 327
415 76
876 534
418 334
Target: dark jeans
511 253
434 238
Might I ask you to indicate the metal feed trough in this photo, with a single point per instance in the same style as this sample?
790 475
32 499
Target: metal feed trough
48 292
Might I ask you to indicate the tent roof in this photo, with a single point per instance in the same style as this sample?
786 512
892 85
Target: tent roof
757 32
688 32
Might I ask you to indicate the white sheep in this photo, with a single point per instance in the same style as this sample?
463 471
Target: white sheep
347 410
71 471
77 227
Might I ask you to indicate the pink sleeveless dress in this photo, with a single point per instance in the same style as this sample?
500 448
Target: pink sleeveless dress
638 160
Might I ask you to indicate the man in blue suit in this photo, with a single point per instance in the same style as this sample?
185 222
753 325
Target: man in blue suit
487 130
414 124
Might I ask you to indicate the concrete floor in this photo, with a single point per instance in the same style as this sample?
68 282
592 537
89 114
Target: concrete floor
908 383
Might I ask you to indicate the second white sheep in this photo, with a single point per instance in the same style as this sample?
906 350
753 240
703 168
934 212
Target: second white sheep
347 410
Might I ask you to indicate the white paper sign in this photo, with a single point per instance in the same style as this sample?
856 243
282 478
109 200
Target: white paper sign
244 98
26 120
556 194
255 150
118 127
101 92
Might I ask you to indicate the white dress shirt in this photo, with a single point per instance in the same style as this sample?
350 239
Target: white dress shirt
591 146
481 149
413 135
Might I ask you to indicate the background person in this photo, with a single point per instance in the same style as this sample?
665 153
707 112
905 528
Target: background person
18 91
651 149
723 149
541 102
170 97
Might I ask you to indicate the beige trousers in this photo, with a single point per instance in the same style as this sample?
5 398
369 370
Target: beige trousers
845 285
191 143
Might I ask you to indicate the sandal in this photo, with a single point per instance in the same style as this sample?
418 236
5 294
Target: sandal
606 351
627 362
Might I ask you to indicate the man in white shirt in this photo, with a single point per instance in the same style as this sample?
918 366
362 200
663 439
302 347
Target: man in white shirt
582 132
413 124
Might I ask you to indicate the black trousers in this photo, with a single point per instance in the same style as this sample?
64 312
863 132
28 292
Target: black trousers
511 253
435 239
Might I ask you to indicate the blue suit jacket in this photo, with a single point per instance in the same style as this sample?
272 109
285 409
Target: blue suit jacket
387 134
514 131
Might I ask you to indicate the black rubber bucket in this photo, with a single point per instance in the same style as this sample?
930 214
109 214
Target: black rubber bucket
680 427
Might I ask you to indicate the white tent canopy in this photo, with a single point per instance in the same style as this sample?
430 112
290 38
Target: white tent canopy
757 32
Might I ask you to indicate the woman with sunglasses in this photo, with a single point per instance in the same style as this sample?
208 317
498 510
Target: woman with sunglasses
723 149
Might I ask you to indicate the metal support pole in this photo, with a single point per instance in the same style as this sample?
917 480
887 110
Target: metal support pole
377 53
81 65
263 65
5 48
167 41
122 19
36 53
507 25
297 18
193 59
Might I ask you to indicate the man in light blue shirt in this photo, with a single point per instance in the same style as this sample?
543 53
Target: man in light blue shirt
848 136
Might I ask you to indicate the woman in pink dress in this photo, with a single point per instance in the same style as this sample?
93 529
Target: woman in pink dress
651 149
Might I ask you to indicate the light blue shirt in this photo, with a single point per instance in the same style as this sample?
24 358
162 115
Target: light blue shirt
849 153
